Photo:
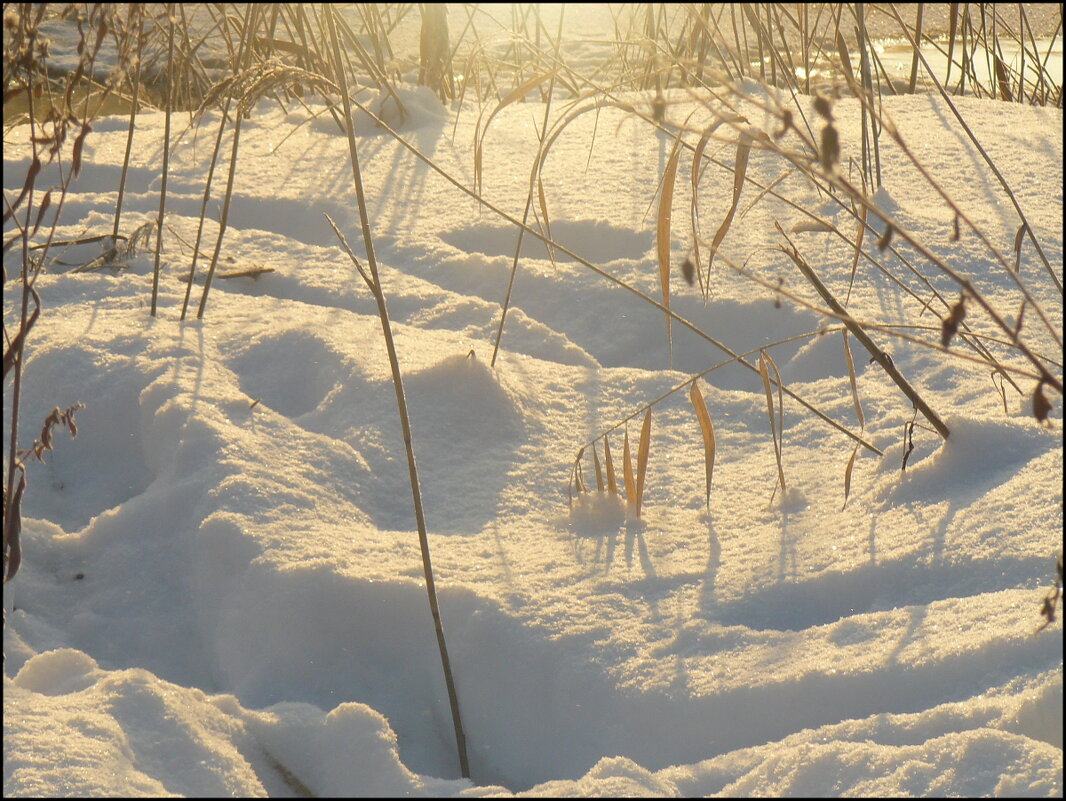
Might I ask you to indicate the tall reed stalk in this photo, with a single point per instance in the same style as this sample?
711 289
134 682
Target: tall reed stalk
373 282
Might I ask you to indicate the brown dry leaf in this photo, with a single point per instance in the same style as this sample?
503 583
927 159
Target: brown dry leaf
707 429
851 379
740 169
627 472
612 485
847 477
662 230
642 457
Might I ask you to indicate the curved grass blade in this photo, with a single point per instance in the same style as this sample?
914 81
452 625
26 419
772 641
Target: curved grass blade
599 472
858 251
612 485
847 476
627 472
697 172
740 168
851 379
642 457
707 429
765 359
662 231
515 94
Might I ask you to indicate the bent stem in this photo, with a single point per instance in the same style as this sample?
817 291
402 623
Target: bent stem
373 281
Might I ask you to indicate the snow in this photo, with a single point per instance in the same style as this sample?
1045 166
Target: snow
221 590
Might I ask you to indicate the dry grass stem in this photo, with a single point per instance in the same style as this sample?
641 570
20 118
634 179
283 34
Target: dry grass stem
662 232
764 360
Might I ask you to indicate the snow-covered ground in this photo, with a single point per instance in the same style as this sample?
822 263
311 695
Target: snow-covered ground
221 590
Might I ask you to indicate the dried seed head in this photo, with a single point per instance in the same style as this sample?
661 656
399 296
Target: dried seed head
950 324
658 107
1041 405
786 123
688 270
830 147
824 108
886 238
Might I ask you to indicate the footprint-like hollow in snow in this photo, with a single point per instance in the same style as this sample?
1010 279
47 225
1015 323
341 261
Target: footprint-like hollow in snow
594 240
291 372
63 491
467 428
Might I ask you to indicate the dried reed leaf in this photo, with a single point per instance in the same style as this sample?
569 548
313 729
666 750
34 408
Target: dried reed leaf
612 484
845 62
46 201
1003 79
599 472
764 359
707 429
854 386
557 130
697 171
740 168
642 457
847 477
627 472
662 230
